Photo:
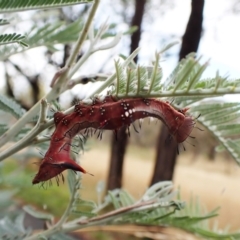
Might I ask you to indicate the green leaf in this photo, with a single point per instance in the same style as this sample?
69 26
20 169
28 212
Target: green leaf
38 214
10 106
213 235
23 5
13 229
3 22
222 120
58 32
48 35
12 38
71 181
22 132
125 198
90 204
114 199
83 213
60 236
184 84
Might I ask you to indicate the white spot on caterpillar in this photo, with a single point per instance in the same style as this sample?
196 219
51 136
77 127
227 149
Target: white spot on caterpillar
130 111
126 114
133 110
146 102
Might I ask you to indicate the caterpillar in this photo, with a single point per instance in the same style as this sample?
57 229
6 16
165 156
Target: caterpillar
109 114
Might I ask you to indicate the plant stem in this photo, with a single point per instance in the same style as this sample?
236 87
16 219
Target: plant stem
57 87
95 221
25 141
182 93
57 227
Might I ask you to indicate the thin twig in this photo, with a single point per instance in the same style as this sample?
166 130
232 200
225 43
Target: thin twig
154 73
13 131
37 129
61 82
182 93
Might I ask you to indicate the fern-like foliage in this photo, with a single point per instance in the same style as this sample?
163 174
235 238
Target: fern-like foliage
49 35
58 32
222 119
12 225
184 81
156 207
187 88
12 38
23 132
3 22
13 229
9 105
23 5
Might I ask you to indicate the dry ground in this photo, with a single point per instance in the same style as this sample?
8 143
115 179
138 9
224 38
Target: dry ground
215 183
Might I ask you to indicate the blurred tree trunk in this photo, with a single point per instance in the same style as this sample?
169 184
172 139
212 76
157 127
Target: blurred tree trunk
166 154
192 35
32 80
118 147
9 90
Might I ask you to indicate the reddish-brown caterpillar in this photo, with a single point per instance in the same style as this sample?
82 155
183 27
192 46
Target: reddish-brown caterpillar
109 114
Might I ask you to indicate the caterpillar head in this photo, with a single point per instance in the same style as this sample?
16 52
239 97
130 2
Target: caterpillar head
184 131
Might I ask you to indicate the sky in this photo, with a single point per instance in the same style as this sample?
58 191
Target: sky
220 39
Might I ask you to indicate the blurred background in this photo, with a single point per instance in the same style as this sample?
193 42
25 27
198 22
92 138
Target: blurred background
134 163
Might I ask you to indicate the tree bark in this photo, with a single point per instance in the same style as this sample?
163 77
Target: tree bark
166 155
192 35
137 21
118 148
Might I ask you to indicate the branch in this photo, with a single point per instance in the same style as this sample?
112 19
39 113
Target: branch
86 79
56 90
204 93
29 137
95 221
65 215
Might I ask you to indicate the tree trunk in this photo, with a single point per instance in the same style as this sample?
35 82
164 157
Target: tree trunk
166 155
118 148
192 35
